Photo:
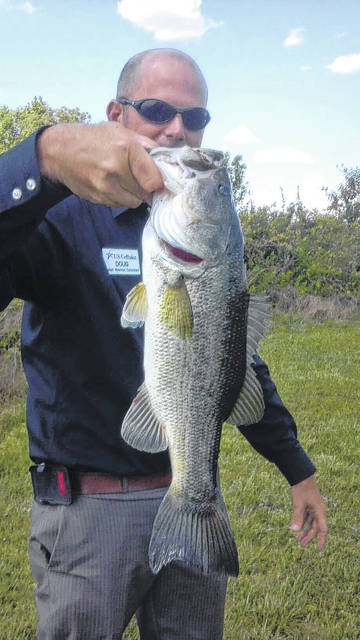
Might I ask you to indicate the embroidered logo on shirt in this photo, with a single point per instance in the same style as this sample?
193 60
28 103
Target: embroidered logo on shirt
121 262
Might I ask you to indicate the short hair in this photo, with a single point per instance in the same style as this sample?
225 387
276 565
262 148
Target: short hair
129 74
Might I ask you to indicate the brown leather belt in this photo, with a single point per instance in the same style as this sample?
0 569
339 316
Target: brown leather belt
92 482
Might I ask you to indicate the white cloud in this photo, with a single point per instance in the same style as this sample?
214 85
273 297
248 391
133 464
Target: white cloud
27 7
340 35
167 20
305 67
283 155
241 135
345 64
294 38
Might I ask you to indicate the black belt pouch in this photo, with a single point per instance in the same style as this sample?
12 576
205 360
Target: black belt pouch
51 484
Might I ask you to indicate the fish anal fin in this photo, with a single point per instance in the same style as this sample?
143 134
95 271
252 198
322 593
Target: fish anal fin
140 428
175 311
135 307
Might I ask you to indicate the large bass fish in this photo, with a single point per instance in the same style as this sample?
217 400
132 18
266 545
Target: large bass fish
201 330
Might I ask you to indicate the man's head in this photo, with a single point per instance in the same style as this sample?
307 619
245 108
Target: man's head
165 74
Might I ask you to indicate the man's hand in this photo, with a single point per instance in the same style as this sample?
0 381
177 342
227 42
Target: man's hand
309 516
104 163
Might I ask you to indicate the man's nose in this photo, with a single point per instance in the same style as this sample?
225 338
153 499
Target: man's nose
175 128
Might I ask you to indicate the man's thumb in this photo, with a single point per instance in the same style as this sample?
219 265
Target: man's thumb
298 520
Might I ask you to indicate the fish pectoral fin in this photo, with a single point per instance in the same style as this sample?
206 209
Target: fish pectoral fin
135 307
176 312
249 407
140 428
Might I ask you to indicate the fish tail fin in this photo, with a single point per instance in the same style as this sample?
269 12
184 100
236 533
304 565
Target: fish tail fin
197 535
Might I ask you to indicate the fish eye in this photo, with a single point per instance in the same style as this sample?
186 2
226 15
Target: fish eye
224 189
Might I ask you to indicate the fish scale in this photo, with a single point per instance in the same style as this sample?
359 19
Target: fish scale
201 329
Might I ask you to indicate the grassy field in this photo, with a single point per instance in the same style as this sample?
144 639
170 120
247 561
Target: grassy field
283 592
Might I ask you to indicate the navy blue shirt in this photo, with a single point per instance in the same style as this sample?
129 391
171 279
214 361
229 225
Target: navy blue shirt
73 263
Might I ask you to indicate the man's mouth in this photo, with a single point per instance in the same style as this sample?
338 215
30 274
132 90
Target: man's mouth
180 254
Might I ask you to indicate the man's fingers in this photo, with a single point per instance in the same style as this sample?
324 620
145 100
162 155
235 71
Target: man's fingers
310 525
322 537
307 534
309 510
310 531
104 163
144 170
299 518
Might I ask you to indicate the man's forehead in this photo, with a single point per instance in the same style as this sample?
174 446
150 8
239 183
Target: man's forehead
172 70
159 64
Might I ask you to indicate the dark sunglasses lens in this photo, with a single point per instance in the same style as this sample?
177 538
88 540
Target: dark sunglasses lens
160 112
156 111
196 118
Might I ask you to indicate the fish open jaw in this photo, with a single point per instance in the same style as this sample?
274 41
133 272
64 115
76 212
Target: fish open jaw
180 255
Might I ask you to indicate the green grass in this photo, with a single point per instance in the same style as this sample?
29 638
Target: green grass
283 592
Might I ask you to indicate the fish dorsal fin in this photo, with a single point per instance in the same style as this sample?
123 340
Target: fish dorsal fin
140 428
257 325
249 407
135 307
175 311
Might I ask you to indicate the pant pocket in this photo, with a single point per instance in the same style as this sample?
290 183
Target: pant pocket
45 532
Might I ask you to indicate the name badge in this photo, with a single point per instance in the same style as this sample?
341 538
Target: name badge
120 262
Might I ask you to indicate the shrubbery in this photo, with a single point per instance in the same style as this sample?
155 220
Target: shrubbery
315 252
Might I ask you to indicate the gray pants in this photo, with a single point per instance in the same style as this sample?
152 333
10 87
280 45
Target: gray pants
90 562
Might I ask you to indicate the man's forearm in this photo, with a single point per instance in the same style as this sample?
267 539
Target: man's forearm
275 436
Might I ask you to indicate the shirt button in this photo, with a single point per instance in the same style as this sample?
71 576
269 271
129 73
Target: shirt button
17 193
30 184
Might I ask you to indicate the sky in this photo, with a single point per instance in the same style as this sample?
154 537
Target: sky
283 75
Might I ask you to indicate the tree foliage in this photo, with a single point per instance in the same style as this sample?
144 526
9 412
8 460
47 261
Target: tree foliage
236 168
17 124
316 253
345 201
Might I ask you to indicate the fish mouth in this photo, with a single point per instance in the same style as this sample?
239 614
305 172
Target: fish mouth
180 255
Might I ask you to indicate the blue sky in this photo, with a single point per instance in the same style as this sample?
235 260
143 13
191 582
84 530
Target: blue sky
283 75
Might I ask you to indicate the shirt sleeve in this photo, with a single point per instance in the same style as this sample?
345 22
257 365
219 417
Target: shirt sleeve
25 195
275 436
25 198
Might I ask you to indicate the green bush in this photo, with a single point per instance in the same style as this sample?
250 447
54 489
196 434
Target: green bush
316 253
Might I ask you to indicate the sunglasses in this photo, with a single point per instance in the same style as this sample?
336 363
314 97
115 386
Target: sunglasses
160 112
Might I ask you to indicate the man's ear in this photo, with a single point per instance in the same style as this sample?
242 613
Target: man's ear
114 111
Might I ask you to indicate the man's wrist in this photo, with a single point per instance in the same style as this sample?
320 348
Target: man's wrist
45 146
295 465
54 145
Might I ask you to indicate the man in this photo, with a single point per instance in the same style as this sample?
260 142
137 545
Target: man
89 558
